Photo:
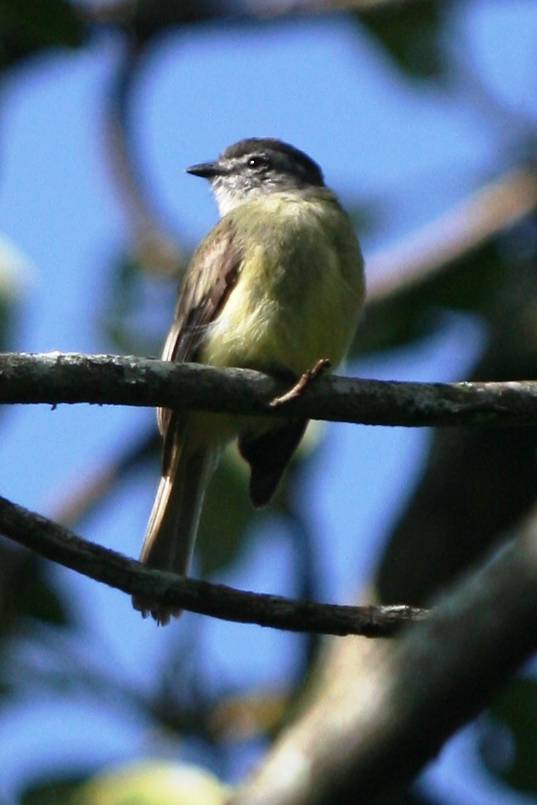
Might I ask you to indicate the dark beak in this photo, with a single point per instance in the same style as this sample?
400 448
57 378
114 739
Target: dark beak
207 170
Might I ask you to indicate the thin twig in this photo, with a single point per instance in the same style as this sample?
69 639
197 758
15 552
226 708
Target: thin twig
156 250
62 546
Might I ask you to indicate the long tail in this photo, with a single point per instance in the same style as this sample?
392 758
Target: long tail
173 523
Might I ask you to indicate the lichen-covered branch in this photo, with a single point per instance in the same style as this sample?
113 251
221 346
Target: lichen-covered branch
55 378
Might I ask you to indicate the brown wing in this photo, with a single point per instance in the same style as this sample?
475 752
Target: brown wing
210 277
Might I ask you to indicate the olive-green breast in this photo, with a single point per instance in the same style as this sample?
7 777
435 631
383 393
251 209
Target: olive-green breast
300 286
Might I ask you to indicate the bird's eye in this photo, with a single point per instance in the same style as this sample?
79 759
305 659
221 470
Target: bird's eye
257 162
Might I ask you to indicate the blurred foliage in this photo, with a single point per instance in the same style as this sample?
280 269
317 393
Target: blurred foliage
27 594
137 307
30 593
14 270
411 33
250 714
149 783
470 285
28 27
28 600
509 740
219 537
52 792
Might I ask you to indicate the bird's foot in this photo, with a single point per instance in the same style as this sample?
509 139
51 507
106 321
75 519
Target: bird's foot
318 368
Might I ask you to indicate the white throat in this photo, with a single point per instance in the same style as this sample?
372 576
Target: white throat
226 199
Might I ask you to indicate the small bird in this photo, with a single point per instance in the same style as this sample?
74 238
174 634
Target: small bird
278 286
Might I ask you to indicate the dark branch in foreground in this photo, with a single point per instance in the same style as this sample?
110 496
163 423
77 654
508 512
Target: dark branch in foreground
56 378
60 545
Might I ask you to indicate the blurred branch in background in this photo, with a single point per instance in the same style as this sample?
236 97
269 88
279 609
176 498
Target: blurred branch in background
175 12
81 500
155 250
446 263
451 237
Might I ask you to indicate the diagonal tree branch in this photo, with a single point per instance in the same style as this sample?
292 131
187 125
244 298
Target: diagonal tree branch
461 230
60 545
426 684
79 500
56 378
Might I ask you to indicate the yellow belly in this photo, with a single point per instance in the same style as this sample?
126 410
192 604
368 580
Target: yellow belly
299 291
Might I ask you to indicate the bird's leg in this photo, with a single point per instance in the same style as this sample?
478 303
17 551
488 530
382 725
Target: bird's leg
318 368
